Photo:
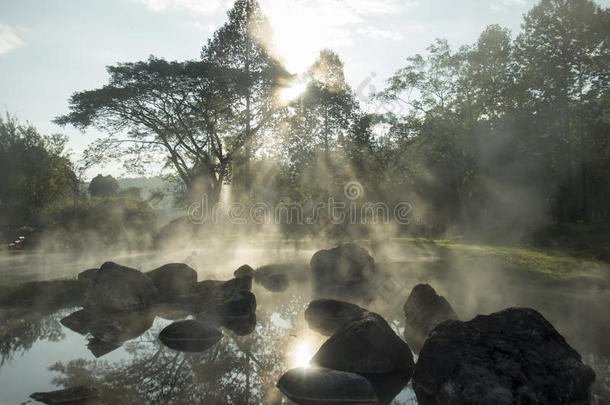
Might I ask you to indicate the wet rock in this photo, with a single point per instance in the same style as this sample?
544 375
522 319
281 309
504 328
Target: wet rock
240 305
190 336
120 288
424 310
345 271
388 386
173 280
513 356
100 348
326 316
271 280
73 395
241 326
120 327
316 385
88 274
79 321
365 346
244 271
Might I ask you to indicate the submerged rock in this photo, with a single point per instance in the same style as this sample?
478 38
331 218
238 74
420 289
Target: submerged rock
514 356
120 288
344 271
190 336
73 395
316 385
326 316
173 280
244 271
424 310
365 346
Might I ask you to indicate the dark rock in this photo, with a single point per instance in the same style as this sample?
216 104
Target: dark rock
120 288
244 271
173 280
210 294
424 310
190 336
241 326
274 282
388 386
345 271
79 321
326 316
100 348
365 346
72 395
88 274
240 305
315 385
120 327
275 277
510 357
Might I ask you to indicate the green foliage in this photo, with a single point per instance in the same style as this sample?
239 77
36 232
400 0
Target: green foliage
36 174
103 186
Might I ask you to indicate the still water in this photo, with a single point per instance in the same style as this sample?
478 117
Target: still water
37 353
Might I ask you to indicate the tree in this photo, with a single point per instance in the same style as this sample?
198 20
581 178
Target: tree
563 57
243 45
200 115
36 174
103 186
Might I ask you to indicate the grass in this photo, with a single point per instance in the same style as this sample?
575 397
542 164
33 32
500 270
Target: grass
551 264
42 294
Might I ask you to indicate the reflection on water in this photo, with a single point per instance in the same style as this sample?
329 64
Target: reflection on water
237 370
131 366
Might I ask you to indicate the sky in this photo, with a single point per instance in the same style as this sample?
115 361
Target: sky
50 49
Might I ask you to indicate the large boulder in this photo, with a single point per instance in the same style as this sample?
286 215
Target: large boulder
190 336
514 356
424 310
240 305
88 275
344 271
173 280
244 271
365 346
316 385
326 315
119 288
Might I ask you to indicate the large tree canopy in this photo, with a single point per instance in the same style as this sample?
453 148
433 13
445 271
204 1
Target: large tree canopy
198 114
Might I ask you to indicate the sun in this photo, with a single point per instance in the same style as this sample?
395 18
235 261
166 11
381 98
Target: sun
292 91
302 350
302 353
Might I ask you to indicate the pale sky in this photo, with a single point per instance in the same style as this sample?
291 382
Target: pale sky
52 48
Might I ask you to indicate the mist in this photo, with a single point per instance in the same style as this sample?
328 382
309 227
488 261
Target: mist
249 229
